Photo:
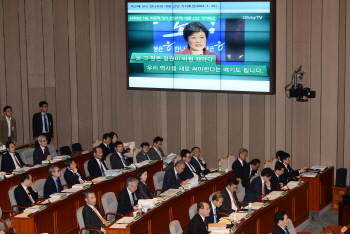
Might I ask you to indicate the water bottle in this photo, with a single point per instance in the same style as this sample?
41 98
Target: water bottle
219 168
139 209
234 219
250 208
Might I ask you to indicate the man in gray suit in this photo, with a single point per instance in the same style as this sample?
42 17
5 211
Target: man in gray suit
155 152
143 154
8 129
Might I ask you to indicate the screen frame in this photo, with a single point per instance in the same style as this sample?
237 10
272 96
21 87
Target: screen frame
272 51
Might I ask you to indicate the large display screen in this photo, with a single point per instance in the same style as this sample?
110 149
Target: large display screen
212 46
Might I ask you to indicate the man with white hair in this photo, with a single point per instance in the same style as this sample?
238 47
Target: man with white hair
41 152
127 200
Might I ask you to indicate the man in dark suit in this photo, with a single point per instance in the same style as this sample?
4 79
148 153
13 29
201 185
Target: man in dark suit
127 199
240 161
105 145
53 183
117 159
8 128
92 214
277 180
230 203
25 193
41 152
11 160
198 224
282 221
143 154
172 176
42 124
214 204
279 154
72 175
156 152
289 173
198 161
259 187
189 172
96 166
247 171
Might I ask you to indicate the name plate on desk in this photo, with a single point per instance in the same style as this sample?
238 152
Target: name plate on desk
157 204
179 193
300 183
201 182
21 171
109 177
137 217
42 207
153 161
44 164
284 193
131 169
233 229
247 216
223 173
266 204
87 186
64 196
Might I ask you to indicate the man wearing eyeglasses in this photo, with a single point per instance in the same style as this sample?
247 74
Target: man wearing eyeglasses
53 183
41 152
127 200
198 224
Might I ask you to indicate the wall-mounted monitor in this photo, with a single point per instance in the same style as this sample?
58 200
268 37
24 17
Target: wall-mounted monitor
215 46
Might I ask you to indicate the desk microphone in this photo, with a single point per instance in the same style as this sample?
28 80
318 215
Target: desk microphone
135 165
288 188
321 224
259 194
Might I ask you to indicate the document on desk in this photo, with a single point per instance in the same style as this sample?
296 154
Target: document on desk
123 222
194 180
273 195
213 175
146 203
169 158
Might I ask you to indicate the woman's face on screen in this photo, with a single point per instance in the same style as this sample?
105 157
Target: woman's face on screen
197 42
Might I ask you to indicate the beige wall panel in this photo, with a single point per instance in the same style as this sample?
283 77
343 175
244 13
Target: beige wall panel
106 67
209 128
257 127
2 59
93 63
148 116
235 123
158 114
63 121
222 125
273 139
137 116
164 120
198 119
315 82
113 34
347 96
246 122
190 120
174 122
183 117
330 27
24 111
301 56
281 73
84 94
12 63
267 137
99 70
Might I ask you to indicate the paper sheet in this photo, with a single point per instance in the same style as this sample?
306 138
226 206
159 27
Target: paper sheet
117 225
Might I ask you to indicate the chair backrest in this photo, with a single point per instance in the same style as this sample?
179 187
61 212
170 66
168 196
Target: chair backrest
12 197
291 228
230 159
175 159
268 164
65 150
76 147
192 210
81 219
27 156
39 185
135 152
96 143
222 162
175 227
108 161
87 173
240 192
0 163
62 179
52 150
253 177
274 160
158 178
211 196
110 204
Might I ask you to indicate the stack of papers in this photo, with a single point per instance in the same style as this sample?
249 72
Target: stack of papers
309 174
146 203
272 196
170 193
21 169
213 227
57 195
50 200
319 167
24 215
61 157
123 222
32 209
256 205
71 190
169 158
291 185
114 172
2 174
213 175
99 179
129 154
239 215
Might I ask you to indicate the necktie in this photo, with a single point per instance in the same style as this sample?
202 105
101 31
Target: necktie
30 196
16 160
177 179
102 170
251 174
131 199
205 222
102 219
147 156
45 154
214 214
286 230
45 124
234 201
122 158
58 185
263 190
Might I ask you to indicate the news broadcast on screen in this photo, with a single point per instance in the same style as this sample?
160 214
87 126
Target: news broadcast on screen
213 46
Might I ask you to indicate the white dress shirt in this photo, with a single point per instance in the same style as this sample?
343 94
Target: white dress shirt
202 168
191 169
159 153
233 205
100 164
9 126
14 160
214 211
241 161
121 158
131 197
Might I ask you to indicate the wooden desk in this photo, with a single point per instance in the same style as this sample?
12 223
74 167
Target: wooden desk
156 221
344 214
38 173
336 229
60 217
320 189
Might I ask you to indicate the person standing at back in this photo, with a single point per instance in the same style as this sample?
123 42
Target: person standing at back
42 124
8 129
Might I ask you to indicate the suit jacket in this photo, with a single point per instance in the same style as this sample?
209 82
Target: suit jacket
38 155
278 230
170 180
94 168
4 130
22 197
140 157
196 165
7 163
91 220
105 150
197 226
289 175
116 162
50 187
254 191
124 203
210 218
38 124
226 206
71 178
245 174
186 174
144 191
153 154
275 182
236 165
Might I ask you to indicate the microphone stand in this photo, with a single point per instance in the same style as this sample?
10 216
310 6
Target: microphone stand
321 224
